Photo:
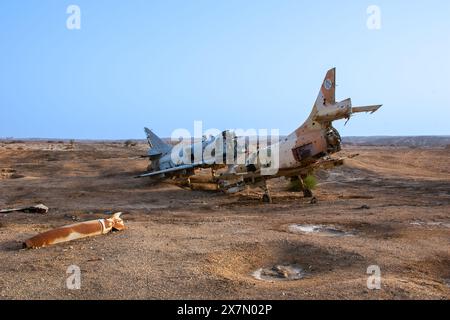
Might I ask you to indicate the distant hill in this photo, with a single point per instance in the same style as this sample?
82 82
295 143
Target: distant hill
394 141
413 141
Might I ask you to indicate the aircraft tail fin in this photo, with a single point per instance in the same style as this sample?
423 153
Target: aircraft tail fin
327 93
157 146
325 98
326 109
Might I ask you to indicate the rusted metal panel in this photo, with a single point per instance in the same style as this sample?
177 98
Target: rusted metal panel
76 231
303 152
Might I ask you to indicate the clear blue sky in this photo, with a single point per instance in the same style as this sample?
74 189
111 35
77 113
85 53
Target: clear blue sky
230 63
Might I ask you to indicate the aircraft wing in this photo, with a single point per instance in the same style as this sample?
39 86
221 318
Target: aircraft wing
174 169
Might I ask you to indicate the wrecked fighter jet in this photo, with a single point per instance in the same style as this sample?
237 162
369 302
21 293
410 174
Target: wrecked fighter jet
76 231
302 152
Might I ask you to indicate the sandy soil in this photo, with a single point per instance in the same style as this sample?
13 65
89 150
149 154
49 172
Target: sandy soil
394 202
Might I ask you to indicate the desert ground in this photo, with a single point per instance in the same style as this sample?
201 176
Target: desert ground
388 207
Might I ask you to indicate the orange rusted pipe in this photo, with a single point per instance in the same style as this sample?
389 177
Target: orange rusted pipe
76 231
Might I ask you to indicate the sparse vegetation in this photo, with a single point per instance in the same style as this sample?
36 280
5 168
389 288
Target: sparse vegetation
71 144
295 186
310 183
130 143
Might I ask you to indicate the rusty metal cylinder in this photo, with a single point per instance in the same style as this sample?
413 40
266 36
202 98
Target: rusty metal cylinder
75 231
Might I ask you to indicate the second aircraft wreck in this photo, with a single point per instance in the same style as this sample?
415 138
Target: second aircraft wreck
302 152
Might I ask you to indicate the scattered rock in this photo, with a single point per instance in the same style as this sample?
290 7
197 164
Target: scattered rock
9 173
73 218
96 259
447 282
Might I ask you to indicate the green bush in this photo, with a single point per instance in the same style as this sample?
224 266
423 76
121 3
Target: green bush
310 183
295 186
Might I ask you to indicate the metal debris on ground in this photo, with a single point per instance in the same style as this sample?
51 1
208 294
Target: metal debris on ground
71 217
76 231
321 230
280 273
40 208
430 224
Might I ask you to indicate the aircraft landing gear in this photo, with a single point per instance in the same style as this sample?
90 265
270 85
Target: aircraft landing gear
267 198
188 182
307 193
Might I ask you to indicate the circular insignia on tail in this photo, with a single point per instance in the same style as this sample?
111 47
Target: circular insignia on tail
328 84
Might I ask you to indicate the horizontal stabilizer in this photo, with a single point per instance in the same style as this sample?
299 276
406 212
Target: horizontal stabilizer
370 109
157 146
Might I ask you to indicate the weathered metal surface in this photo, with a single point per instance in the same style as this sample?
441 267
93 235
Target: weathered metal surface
76 231
370 109
40 208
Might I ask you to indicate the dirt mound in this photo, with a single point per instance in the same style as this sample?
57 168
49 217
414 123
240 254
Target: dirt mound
303 260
